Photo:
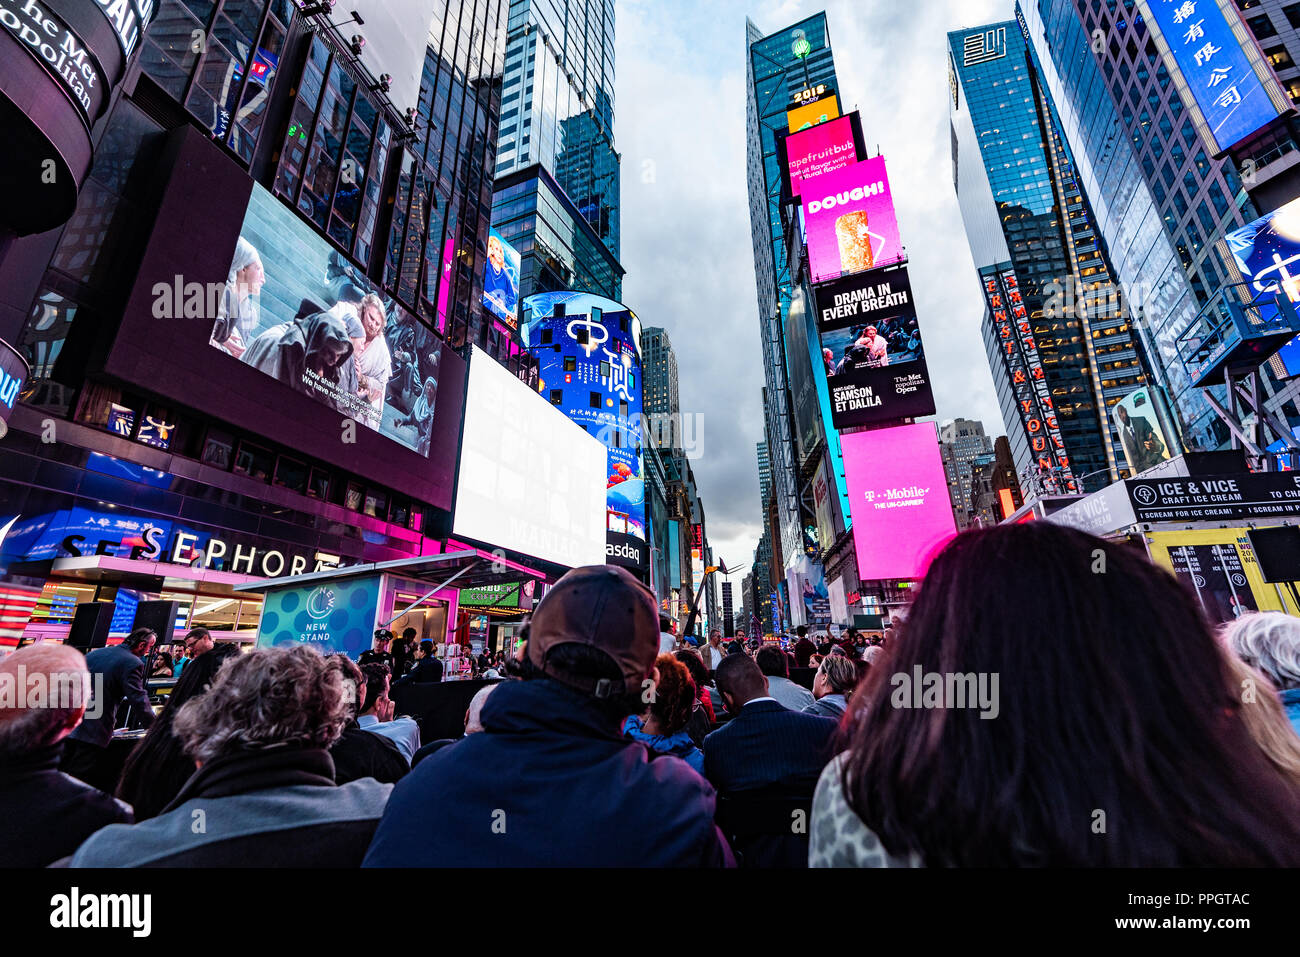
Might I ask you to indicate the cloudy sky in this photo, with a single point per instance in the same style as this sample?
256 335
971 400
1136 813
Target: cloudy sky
680 125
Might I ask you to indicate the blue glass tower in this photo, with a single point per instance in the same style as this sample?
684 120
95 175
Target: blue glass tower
1059 343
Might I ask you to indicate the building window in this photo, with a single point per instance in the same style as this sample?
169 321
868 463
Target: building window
1280 58
1293 15
1262 26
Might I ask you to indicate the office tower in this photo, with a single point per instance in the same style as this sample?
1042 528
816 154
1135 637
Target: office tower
961 443
556 160
1061 353
778 66
1173 202
663 406
764 472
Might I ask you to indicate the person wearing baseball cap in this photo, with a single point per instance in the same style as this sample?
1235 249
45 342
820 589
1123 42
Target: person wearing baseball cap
551 781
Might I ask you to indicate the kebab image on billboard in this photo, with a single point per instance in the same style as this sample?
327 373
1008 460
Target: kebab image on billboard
850 221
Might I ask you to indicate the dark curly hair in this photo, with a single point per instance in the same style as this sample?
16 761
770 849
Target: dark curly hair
695 665
674 695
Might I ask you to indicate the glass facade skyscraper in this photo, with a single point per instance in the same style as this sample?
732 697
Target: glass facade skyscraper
777 66
1061 351
557 114
1163 203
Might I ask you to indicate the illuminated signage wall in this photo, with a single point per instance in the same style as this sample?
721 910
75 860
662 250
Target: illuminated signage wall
898 494
1025 373
1213 59
871 345
1267 252
849 220
588 351
530 480
295 309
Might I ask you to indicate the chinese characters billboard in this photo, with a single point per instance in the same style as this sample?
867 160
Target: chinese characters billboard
898 494
871 345
1234 92
849 219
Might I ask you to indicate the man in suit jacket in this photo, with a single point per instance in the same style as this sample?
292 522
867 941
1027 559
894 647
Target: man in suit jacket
427 670
764 745
117 675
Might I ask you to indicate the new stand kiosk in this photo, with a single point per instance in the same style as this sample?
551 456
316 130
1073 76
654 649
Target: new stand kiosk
337 612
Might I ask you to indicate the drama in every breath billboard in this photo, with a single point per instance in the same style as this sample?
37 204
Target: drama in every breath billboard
898 494
849 219
871 345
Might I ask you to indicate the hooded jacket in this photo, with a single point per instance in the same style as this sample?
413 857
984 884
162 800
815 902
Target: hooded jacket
549 782
277 807
679 745
288 350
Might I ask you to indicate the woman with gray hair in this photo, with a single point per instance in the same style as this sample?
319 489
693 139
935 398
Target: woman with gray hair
836 678
263 794
237 315
1269 641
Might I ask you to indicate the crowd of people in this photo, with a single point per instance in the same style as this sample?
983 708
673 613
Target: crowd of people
1026 712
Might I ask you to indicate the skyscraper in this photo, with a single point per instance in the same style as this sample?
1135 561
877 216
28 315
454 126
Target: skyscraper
662 398
1167 201
556 161
764 472
778 66
961 442
1061 353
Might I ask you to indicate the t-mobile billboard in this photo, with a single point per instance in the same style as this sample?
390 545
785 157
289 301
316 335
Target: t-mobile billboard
898 495
849 219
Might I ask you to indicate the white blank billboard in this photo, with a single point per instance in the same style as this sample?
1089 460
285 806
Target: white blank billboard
530 480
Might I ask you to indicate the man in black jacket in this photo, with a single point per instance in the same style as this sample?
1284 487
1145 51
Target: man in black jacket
44 813
358 753
117 676
764 745
427 670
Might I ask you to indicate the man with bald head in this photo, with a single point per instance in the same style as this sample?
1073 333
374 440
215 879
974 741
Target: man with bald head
44 813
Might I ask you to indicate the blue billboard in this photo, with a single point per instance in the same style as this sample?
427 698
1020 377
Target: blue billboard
1226 76
334 617
1267 252
588 351
501 280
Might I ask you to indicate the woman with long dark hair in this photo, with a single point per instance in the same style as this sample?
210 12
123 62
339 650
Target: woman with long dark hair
157 767
1052 700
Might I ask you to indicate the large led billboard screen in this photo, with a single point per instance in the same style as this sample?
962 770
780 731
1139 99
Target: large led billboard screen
810 114
530 480
501 280
588 352
1267 252
1232 88
849 220
871 345
297 310
819 149
1144 441
898 494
